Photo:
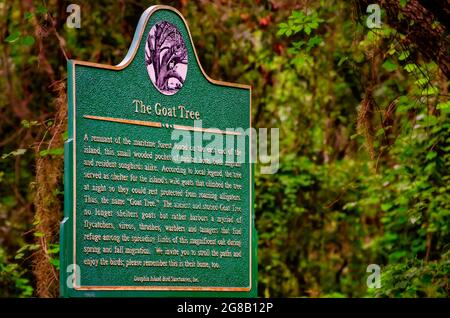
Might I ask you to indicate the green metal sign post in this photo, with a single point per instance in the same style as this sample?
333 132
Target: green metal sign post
157 203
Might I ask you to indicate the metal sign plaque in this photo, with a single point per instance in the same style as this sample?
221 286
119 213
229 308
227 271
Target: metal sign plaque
158 201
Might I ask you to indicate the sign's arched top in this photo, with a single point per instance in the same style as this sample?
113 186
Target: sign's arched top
137 41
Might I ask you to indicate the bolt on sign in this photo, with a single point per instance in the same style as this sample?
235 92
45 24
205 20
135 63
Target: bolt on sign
158 181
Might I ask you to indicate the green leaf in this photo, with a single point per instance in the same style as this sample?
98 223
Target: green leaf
314 25
28 40
392 50
298 44
41 9
380 132
386 207
314 41
391 236
431 155
281 32
444 107
342 60
422 81
33 247
389 66
13 37
53 250
410 67
52 152
404 55
283 27
397 255
43 153
430 90
27 124
19 256
54 262
56 151
22 249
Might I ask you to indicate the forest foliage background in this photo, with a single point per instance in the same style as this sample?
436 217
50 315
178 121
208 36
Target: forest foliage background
364 135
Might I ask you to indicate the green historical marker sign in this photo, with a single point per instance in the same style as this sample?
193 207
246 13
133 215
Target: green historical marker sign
158 198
